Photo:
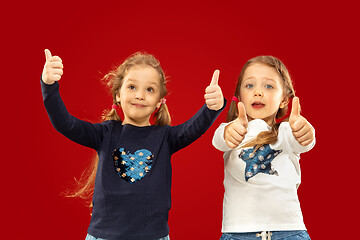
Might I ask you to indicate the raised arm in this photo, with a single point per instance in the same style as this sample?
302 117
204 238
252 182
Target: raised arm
53 68
184 134
79 131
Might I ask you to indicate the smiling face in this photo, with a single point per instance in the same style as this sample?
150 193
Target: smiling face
261 92
139 95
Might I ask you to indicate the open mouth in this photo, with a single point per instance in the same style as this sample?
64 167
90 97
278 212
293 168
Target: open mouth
257 105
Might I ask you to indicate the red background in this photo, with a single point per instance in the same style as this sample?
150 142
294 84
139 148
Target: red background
318 42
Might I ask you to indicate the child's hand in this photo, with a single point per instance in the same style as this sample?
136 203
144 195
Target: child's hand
53 69
234 133
301 128
213 96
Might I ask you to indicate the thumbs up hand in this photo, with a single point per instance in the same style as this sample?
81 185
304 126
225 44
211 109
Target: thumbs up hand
53 68
213 95
234 133
300 127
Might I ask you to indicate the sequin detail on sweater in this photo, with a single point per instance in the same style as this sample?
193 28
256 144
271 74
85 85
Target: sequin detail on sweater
132 167
260 161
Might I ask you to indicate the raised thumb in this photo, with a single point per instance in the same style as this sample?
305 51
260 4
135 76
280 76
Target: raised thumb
215 78
47 54
295 108
242 112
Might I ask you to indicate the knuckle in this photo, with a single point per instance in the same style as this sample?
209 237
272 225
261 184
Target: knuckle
296 135
56 58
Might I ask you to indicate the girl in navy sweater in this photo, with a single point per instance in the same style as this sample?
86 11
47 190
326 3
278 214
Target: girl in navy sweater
132 191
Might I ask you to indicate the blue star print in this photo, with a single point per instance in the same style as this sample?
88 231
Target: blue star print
260 161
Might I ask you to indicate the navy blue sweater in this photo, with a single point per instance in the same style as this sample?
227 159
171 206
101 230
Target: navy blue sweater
132 195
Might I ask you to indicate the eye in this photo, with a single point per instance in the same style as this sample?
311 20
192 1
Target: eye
249 85
269 86
150 90
131 87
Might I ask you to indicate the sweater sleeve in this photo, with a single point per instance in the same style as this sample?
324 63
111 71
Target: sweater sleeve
184 134
218 140
79 131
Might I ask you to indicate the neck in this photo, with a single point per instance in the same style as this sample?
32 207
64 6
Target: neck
137 122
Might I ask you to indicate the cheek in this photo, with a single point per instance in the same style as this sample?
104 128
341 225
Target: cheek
276 100
243 96
124 98
121 93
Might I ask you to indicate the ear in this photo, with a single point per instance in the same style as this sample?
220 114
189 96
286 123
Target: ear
117 98
284 102
158 105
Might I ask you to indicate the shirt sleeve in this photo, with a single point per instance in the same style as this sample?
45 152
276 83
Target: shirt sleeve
79 131
218 140
184 134
290 143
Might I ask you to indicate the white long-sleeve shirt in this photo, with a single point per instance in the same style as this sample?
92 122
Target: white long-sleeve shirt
261 187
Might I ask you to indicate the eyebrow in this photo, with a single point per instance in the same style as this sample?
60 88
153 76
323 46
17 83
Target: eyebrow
270 79
251 77
151 83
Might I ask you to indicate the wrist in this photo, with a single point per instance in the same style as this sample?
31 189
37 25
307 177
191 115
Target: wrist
47 82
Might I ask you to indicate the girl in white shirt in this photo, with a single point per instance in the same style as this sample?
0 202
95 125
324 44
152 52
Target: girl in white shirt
262 171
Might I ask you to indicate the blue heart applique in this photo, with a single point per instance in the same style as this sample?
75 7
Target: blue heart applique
132 167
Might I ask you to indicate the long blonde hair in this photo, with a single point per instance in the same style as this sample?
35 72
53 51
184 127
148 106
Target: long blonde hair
114 80
266 137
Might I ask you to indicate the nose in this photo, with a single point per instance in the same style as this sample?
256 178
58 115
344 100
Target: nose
258 93
140 95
